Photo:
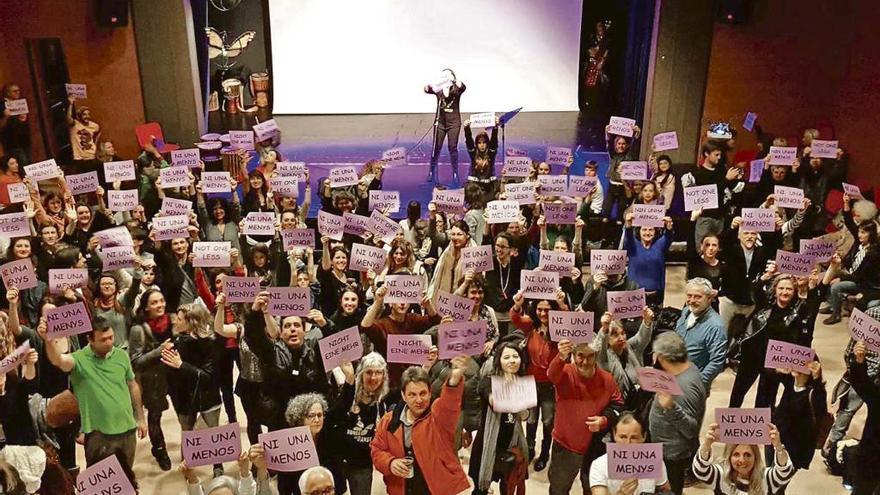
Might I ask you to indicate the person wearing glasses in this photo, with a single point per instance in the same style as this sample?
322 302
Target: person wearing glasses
307 410
317 480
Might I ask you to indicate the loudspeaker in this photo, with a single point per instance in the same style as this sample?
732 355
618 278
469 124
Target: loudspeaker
734 11
112 13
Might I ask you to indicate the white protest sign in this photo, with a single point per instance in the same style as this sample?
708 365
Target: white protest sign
553 185
823 149
394 156
821 249
171 227
523 193
477 258
621 126
485 119
211 254
290 301
502 211
293 169
18 192
633 170
758 220
538 284
782 155
608 261
788 197
174 206
14 225
216 182
188 158
44 170
266 130
517 166
208 446
626 303
581 186
17 107
340 347
865 329
104 477
122 200
363 258
82 183
404 289
119 171
556 261
284 186
174 177
666 141
343 176
649 215
458 307
289 450
78 91
298 239
385 201
557 155
241 140
853 191
408 349
794 263
513 396
575 326
259 223
465 338
701 197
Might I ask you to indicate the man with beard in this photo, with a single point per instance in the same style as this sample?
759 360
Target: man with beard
587 402
743 263
702 330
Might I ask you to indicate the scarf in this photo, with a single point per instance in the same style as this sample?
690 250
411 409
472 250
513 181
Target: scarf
490 439
161 327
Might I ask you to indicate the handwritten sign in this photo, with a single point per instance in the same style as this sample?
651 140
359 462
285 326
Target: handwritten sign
119 171
241 140
556 261
289 450
341 347
633 170
82 183
117 236
580 187
403 289
408 349
13 360
642 461
560 213
465 338
441 82
18 192
656 380
853 191
788 197
188 158
515 151
259 223
211 445
67 320
649 215
67 278
758 220
621 126
864 328
19 274
241 289
608 261
173 206
211 254
394 156
794 263
701 197
44 170
298 238
538 284
523 193
289 301
292 169
743 425
266 130
823 149
330 225
448 201
626 303
576 326
14 225
822 250
517 166
122 200
557 155
385 201
78 91
17 107
343 177
749 121
459 308
782 155
513 396
756 170
383 227
666 141
477 258
553 185
171 227
783 355
117 257
502 211
174 177
104 477
364 258
285 186
216 182
482 120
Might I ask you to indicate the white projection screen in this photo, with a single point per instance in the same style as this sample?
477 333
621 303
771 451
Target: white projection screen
375 56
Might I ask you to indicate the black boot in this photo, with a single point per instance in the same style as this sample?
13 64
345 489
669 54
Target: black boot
833 319
541 462
531 433
162 458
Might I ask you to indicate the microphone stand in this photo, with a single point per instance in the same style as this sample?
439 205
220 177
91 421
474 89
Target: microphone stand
432 175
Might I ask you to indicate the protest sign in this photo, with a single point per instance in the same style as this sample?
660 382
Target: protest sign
383 227
576 326
119 171
188 158
864 328
758 220
363 258
556 261
553 185
292 169
117 236
557 155
642 461
482 120
523 193
608 261
560 213
343 346
538 284
290 449
459 308
241 289
788 197
666 141
117 257
749 121
517 166
14 225
756 170
174 177
298 239
851 190
394 156
633 170
701 197
408 349
823 149
513 396
286 186
656 380
15 358
259 223
19 274
404 289
464 338
289 301
171 227
172 207
241 140
821 249
477 258
513 150
354 224
784 356
266 130
64 278
104 477
211 254
782 155
44 170
621 126
216 182
18 192
626 303
343 176
82 183
449 200
330 225
796 264
385 201
77 91
17 107
743 425
502 211
208 446
649 215
67 320
122 200
580 187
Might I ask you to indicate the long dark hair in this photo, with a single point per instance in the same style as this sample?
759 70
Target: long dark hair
533 310
140 314
413 212
222 203
871 228
496 359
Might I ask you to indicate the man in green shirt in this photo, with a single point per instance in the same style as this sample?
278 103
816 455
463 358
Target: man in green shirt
109 397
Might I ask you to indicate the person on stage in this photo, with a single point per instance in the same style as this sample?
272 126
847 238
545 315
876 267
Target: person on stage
448 122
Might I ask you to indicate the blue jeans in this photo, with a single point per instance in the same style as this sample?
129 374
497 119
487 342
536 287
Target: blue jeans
838 290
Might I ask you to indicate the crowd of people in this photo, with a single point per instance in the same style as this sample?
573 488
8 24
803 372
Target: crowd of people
163 328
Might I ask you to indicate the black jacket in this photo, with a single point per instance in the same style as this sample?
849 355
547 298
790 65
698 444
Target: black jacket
736 281
797 416
193 387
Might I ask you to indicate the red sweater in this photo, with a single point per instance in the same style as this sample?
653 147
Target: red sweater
578 398
541 349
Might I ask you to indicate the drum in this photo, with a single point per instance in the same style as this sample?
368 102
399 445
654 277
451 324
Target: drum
260 89
234 161
232 92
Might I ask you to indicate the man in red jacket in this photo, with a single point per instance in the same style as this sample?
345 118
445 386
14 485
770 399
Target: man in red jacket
414 446
587 401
